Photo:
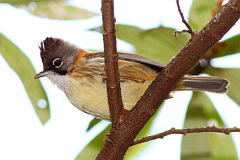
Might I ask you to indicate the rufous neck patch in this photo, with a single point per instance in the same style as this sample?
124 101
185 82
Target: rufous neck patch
81 53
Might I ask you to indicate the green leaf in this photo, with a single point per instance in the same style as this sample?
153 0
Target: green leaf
233 75
134 150
93 123
93 148
205 145
17 60
158 43
201 13
52 9
227 47
57 10
14 2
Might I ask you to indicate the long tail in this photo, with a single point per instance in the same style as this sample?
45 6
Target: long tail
201 83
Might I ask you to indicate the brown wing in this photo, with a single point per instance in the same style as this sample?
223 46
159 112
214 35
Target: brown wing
133 67
153 64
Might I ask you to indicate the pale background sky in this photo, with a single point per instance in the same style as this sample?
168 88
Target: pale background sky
21 134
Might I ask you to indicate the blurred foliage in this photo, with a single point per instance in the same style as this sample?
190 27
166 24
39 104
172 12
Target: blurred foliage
233 75
160 44
157 43
93 123
200 109
17 2
52 9
18 61
95 145
154 40
227 47
134 150
201 112
201 12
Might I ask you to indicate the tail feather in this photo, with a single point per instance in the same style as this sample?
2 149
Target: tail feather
202 83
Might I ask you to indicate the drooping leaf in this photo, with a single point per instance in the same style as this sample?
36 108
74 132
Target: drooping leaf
133 151
17 2
93 147
233 75
17 60
93 123
227 47
52 9
158 43
201 13
205 145
57 10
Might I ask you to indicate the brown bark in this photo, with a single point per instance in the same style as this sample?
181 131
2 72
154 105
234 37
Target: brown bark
186 131
122 136
111 61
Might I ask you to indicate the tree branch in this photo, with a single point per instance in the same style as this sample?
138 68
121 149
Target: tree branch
124 134
111 61
186 131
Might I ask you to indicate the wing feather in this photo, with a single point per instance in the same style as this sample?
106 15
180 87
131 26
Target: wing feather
134 67
153 64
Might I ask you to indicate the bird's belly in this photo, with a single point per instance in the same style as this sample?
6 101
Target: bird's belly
90 96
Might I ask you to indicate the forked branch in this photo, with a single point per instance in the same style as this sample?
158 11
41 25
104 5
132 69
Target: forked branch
190 31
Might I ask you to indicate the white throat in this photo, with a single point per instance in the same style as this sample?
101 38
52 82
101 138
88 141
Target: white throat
62 81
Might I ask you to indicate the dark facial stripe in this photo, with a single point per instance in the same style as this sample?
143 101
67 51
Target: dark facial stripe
60 72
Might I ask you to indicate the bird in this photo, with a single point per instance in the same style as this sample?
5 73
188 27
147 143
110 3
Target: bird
80 75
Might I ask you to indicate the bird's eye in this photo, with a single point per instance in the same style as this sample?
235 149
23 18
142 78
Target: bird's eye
57 63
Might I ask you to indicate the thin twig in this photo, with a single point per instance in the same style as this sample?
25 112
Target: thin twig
185 131
183 20
175 33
